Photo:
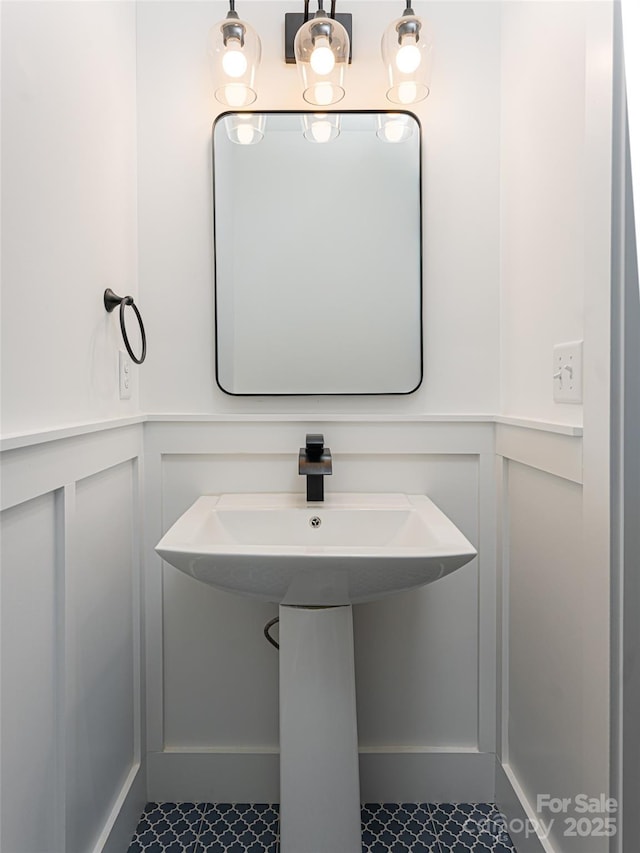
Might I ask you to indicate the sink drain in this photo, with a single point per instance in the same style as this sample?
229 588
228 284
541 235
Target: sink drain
314 521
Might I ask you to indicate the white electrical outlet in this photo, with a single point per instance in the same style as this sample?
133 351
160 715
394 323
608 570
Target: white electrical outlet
124 371
567 372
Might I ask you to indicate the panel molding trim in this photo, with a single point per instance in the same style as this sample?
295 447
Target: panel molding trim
557 454
519 816
37 470
15 441
217 444
125 814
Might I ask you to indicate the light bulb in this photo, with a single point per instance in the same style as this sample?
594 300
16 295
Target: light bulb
408 57
234 62
321 130
407 92
235 94
246 134
322 59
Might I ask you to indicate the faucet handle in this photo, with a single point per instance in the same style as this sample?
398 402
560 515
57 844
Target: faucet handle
314 445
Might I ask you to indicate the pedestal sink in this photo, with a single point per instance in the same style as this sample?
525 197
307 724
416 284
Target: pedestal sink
315 560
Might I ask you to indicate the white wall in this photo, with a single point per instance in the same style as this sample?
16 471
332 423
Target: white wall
461 146
556 286
543 183
625 463
630 543
71 735
503 196
69 231
68 208
517 171
630 32
212 688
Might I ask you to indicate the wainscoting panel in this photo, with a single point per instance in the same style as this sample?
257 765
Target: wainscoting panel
32 760
553 629
420 656
71 671
101 651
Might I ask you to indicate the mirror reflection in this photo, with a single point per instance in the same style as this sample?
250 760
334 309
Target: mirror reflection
317 225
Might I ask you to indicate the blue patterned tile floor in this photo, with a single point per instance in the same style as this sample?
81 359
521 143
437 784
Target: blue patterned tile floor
386 828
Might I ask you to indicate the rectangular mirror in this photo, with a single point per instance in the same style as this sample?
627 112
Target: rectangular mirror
317 232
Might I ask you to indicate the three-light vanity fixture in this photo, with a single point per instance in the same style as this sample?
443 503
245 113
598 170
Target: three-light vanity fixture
320 46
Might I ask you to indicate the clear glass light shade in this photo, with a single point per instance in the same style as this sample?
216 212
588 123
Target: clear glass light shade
321 127
394 127
322 52
245 128
234 57
406 52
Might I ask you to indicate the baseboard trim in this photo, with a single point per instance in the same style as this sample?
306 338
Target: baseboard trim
385 776
522 820
121 824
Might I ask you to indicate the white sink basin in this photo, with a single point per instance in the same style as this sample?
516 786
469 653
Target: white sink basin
346 549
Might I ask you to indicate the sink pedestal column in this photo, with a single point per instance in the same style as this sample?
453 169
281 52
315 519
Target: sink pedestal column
319 778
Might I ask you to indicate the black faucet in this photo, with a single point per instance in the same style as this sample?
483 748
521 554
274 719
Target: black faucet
314 462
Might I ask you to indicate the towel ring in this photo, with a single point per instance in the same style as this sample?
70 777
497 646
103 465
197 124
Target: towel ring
111 301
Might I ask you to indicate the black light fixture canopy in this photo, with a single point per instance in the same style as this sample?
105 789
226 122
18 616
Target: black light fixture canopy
294 20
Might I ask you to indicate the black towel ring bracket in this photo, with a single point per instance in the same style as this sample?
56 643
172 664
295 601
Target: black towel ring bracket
111 301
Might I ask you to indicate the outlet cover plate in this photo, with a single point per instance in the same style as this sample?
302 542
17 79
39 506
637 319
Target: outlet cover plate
567 372
125 375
